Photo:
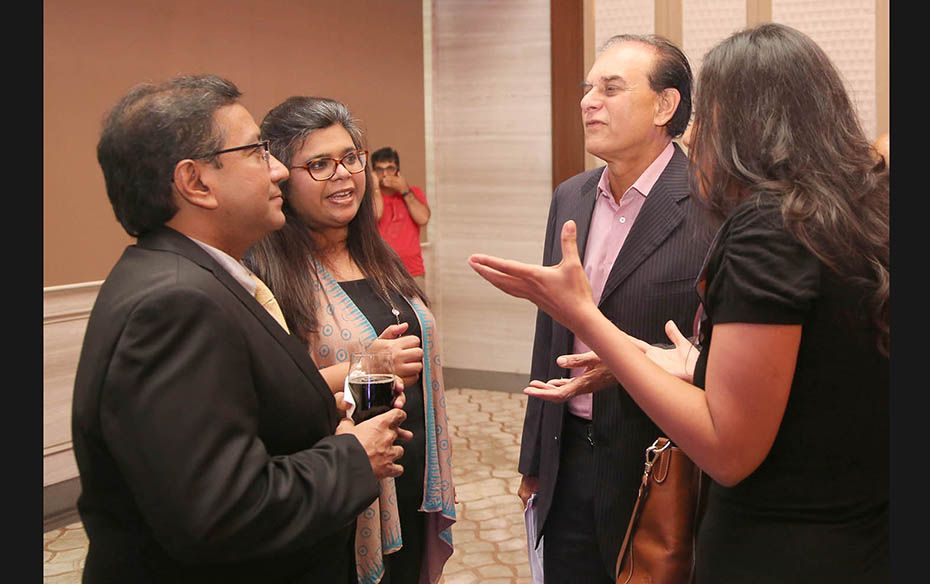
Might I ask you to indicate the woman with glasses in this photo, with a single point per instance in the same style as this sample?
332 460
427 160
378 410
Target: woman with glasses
339 286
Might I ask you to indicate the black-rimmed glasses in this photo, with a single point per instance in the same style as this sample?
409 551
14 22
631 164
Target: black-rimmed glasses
264 147
321 169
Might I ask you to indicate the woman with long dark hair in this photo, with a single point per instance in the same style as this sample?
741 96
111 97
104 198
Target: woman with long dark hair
787 410
339 284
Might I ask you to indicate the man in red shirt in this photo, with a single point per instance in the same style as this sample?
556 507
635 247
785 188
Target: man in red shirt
401 210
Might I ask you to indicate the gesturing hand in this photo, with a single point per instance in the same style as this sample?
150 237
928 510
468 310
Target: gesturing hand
679 361
595 378
561 291
396 183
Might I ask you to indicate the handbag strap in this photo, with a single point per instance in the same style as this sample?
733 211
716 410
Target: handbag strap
652 453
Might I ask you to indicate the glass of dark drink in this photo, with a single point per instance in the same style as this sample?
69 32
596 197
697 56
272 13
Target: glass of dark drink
371 381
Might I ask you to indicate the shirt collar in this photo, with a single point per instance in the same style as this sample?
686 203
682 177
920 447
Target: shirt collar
646 180
235 267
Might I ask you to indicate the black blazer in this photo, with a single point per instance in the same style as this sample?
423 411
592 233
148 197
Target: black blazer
651 282
203 433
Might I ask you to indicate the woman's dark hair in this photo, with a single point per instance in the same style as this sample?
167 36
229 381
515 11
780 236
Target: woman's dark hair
772 118
283 259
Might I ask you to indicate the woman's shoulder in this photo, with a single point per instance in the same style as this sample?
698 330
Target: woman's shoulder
758 211
759 268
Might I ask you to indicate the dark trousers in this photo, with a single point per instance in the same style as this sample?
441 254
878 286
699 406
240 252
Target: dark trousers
571 552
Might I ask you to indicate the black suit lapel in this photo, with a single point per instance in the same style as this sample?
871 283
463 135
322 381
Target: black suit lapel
658 218
175 242
581 213
580 210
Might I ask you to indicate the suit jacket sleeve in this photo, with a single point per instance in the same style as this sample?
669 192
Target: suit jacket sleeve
530 443
179 409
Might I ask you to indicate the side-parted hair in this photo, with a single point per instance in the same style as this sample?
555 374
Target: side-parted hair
773 118
671 70
145 135
283 258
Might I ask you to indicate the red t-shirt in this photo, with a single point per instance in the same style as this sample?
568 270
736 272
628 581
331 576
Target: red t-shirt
401 232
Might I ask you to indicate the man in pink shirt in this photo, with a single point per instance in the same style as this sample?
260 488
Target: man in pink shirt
642 242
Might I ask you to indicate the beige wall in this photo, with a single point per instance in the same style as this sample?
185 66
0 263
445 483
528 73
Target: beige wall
491 136
368 54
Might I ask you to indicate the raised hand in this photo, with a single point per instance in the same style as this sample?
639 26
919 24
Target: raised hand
405 351
561 291
679 361
396 183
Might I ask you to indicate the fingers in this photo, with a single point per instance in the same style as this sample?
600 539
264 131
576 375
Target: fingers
408 351
404 434
588 359
341 404
537 384
396 452
394 331
528 486
560 381
674 335
503 267
408 363
570 242
408 342
400 398
345 426
548 393
552 384
500 280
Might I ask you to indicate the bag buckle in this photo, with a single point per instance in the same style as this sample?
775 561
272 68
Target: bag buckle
658 447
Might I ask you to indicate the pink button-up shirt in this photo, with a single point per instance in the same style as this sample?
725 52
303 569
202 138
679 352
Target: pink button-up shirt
610 224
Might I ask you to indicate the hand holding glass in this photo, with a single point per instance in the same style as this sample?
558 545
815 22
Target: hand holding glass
371 381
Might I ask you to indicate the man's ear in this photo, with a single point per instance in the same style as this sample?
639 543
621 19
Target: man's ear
666 106
189 183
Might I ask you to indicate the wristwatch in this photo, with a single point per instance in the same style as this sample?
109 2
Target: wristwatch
405 193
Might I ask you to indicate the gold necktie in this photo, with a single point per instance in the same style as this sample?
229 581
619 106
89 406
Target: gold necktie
267 300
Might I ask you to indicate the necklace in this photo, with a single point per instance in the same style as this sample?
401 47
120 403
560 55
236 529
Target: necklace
390 303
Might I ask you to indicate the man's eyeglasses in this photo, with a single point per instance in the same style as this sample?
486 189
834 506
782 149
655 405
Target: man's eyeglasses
390 169
263 146
325 168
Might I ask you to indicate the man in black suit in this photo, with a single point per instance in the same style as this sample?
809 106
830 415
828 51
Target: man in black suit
209 446
641 242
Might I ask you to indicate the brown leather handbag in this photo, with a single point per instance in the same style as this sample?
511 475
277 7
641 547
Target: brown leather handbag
658 547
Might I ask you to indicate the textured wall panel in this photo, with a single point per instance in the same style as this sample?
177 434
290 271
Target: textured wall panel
707 22
65 313
492 170
845 29
622 17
